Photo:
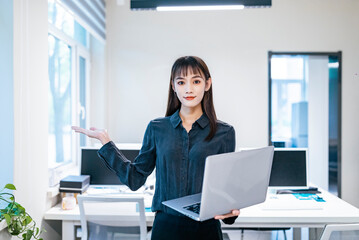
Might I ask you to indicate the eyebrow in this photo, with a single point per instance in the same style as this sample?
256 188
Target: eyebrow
195 76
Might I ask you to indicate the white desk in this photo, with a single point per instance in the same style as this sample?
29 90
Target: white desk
333 210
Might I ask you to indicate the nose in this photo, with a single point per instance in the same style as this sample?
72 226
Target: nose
189 88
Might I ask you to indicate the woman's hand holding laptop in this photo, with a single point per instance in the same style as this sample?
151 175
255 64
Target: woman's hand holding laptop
234 213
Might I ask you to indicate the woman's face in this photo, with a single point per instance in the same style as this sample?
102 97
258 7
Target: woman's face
190 89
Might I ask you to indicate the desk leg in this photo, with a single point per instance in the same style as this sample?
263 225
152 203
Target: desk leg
68 230
297 233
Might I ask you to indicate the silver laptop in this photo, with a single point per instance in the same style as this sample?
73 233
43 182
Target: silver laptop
231 181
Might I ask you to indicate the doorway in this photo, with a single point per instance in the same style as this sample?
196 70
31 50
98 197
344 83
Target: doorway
305 110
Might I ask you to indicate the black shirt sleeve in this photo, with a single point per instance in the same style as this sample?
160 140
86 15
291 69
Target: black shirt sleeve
133 174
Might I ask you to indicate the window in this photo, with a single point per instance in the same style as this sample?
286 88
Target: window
69 59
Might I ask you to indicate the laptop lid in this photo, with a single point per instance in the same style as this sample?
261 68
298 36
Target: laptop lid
235 181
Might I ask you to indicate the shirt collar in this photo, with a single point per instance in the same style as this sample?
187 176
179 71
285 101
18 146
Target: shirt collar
203 121
176 119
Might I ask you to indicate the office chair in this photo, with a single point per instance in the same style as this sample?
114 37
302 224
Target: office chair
101 217
340 232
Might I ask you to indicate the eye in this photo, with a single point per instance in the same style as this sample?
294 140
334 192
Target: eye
180 82
197 81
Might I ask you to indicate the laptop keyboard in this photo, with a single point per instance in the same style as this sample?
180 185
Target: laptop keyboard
194 207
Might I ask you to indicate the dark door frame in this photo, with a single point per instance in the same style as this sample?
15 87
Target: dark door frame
335 54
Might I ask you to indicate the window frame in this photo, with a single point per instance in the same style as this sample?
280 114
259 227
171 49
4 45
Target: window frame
56 173
84 53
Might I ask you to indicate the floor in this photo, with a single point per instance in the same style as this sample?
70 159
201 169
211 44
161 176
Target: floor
261 235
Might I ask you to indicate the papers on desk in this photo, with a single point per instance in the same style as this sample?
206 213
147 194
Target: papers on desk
122 190
308 196
290 202
93 189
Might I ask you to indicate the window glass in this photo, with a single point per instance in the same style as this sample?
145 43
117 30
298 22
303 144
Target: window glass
287 68
289 104
60 18
65 21
82 78
60 105
80 34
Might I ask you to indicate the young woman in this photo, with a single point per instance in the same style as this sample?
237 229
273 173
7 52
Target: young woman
177 145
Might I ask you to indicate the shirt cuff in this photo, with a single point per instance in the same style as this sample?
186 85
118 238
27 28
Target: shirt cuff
102 151
230 220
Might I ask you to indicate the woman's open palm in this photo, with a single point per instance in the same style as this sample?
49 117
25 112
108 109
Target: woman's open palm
99 134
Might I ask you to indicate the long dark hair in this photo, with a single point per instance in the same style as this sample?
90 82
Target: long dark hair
197 66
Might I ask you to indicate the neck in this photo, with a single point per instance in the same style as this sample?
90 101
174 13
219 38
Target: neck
190 115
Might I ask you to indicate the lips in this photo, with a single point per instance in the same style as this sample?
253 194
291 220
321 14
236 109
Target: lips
189 98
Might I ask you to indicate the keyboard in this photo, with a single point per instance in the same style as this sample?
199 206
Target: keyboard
193 208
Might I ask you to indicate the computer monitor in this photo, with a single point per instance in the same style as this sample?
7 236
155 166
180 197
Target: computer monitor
100 174
289 168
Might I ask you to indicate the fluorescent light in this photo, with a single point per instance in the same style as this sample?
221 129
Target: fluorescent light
201 8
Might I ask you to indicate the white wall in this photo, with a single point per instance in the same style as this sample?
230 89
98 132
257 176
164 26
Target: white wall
142 45
98 87
30 106
318 115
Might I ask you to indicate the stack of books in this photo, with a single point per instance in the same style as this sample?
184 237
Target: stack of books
75 184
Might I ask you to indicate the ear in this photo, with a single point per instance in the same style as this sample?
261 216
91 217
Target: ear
173 87
208 84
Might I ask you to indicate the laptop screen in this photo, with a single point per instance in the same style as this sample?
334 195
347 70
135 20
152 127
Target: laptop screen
289 168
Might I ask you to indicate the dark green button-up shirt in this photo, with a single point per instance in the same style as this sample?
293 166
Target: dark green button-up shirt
178 156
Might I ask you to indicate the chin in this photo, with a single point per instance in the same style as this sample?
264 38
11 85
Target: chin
190 105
